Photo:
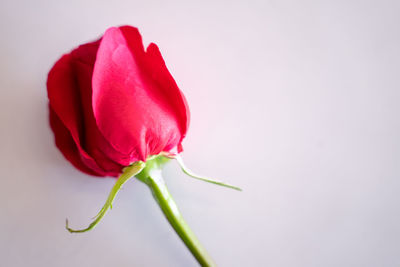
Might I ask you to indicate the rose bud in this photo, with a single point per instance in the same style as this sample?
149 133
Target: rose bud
115 110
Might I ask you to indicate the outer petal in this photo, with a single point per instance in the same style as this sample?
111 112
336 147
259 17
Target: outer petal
64 96
66 144
153 66
94 142
65 101
168 87
133 114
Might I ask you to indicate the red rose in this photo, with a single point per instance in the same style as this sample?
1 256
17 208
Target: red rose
113 103
115 110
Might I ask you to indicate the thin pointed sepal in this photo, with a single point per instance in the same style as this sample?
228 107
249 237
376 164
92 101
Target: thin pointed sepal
202 178
127 174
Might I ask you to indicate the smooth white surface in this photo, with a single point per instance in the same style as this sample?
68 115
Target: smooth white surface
295 101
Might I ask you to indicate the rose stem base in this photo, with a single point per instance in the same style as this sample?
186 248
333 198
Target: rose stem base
151 175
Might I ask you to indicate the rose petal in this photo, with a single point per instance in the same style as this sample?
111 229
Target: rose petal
95 144
65 101
66 144
168 87
64 96
133 114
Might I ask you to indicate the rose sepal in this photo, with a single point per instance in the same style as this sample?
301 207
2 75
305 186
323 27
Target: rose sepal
150 173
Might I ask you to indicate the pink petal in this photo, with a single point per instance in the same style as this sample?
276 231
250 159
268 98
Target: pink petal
94 142
133 111
66 144
64 98
168 87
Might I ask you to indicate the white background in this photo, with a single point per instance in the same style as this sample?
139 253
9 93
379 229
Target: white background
295 101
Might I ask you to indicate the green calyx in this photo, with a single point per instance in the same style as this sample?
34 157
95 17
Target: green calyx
202 178
143 171
127 174
154 163
149 172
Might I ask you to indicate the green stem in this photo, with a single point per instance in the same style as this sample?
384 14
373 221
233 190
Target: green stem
151 176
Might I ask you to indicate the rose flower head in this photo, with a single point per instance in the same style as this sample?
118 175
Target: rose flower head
113 103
